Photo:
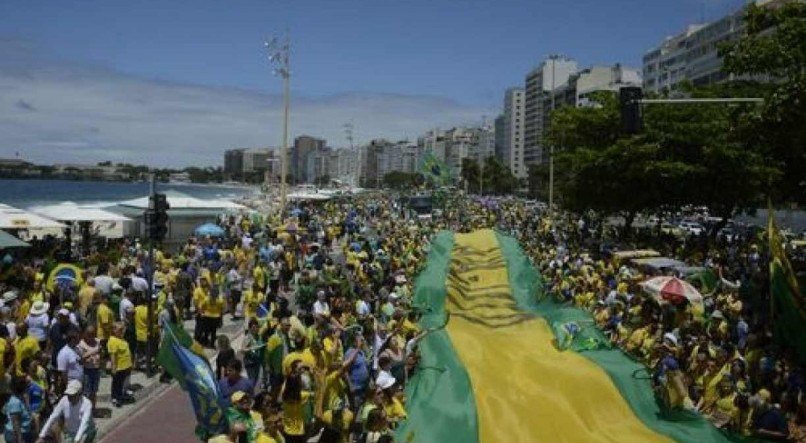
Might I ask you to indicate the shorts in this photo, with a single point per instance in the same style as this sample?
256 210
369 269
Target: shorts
92 377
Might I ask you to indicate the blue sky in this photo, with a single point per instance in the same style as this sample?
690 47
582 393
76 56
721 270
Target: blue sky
440 62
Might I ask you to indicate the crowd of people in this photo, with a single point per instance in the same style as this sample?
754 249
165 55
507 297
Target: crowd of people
330 333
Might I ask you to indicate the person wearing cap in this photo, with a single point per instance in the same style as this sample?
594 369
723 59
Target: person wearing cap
76 412
57 335
239 413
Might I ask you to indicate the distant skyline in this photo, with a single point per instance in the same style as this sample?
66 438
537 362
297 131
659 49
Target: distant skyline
176 83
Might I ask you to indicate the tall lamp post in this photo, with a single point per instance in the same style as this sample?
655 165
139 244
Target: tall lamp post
279 51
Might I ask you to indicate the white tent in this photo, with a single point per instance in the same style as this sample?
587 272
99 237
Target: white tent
105 223
15 218
179 202
298 196
69 211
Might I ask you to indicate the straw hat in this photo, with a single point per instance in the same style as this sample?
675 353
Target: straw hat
39 307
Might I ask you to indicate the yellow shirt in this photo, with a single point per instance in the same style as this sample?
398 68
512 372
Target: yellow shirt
141 322
212 308
395 410
23 309
346 421
85 296
105 320
25 349
294 415
335 388
333 350
251 301
120 353
3 347
199 294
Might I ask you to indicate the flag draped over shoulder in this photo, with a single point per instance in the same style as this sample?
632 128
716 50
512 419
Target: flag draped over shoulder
195 376
788 304
434 170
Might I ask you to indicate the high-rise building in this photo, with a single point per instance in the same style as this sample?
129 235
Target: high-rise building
260 160
513 120
499 137
303 145
233 163
693 55
551 74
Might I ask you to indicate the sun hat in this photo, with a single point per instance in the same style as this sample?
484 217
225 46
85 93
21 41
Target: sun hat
9 296
39 307
717 314
73 387
237 396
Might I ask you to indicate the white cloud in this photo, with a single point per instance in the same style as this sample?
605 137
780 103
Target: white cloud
61 112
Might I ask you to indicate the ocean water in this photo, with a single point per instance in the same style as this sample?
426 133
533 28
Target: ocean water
31 193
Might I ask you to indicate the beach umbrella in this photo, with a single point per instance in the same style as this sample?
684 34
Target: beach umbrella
209 229
672 290
64 273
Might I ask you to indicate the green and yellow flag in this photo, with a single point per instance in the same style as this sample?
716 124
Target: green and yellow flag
496 373
788 303
434 170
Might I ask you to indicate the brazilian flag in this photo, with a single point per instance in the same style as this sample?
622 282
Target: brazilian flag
500 372
196 377
434 170
788 303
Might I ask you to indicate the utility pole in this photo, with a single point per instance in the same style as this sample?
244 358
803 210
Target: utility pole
551 154
279 57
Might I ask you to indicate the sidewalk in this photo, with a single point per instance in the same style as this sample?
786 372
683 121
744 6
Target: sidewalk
145 388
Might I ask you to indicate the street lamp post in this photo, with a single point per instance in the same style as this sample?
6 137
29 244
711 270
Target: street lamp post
279 51
551 154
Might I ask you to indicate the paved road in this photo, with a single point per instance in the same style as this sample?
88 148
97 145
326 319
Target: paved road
166 418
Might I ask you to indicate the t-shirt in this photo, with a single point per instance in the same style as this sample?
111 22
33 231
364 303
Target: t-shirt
15 406
227 388
69 361
25 349
212 308
104 283
91 354
141 322
38 326
344 430
120 353
294 415
105 319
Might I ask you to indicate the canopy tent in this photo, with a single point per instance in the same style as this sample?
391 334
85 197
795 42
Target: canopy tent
15 218
9 241
180 202
659 263
210 229
71 212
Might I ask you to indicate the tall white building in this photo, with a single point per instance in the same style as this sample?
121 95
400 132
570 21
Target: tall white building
693 54
512 153
552 73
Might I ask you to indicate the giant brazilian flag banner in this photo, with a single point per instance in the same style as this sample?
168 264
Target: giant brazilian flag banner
788 303
496 374
434 170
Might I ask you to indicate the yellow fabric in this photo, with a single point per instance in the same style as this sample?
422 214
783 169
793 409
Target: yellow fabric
25 348
120 353
546 395
141 323
105 320
294 415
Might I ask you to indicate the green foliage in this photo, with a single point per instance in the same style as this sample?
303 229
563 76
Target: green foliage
774 52
493 178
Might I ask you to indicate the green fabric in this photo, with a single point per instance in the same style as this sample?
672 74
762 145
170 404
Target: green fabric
441 407
629 376
706 281
787 309
166 357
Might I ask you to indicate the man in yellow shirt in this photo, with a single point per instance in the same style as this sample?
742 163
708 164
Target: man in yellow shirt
26 347
85 296
105 318
121 357
212 309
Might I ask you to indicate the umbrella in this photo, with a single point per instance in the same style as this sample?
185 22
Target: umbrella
64 273
672 289
210 229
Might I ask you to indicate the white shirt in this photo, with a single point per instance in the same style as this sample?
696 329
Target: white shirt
38 326
139 284
125 303
104 283
69 361
77 418
321 308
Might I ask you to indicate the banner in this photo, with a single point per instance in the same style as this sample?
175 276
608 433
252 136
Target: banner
434 170
788 303
196 377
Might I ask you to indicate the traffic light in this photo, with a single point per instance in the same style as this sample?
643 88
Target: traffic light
630 106
156 217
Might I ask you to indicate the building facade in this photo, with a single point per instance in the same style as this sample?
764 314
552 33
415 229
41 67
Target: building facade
303 145
233 163
513 122
552 73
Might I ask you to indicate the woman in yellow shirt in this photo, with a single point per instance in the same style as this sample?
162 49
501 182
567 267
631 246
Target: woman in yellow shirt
121 357
212 309
294 401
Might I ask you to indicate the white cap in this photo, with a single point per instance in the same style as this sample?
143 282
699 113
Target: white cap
385 381
64 312
73 387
